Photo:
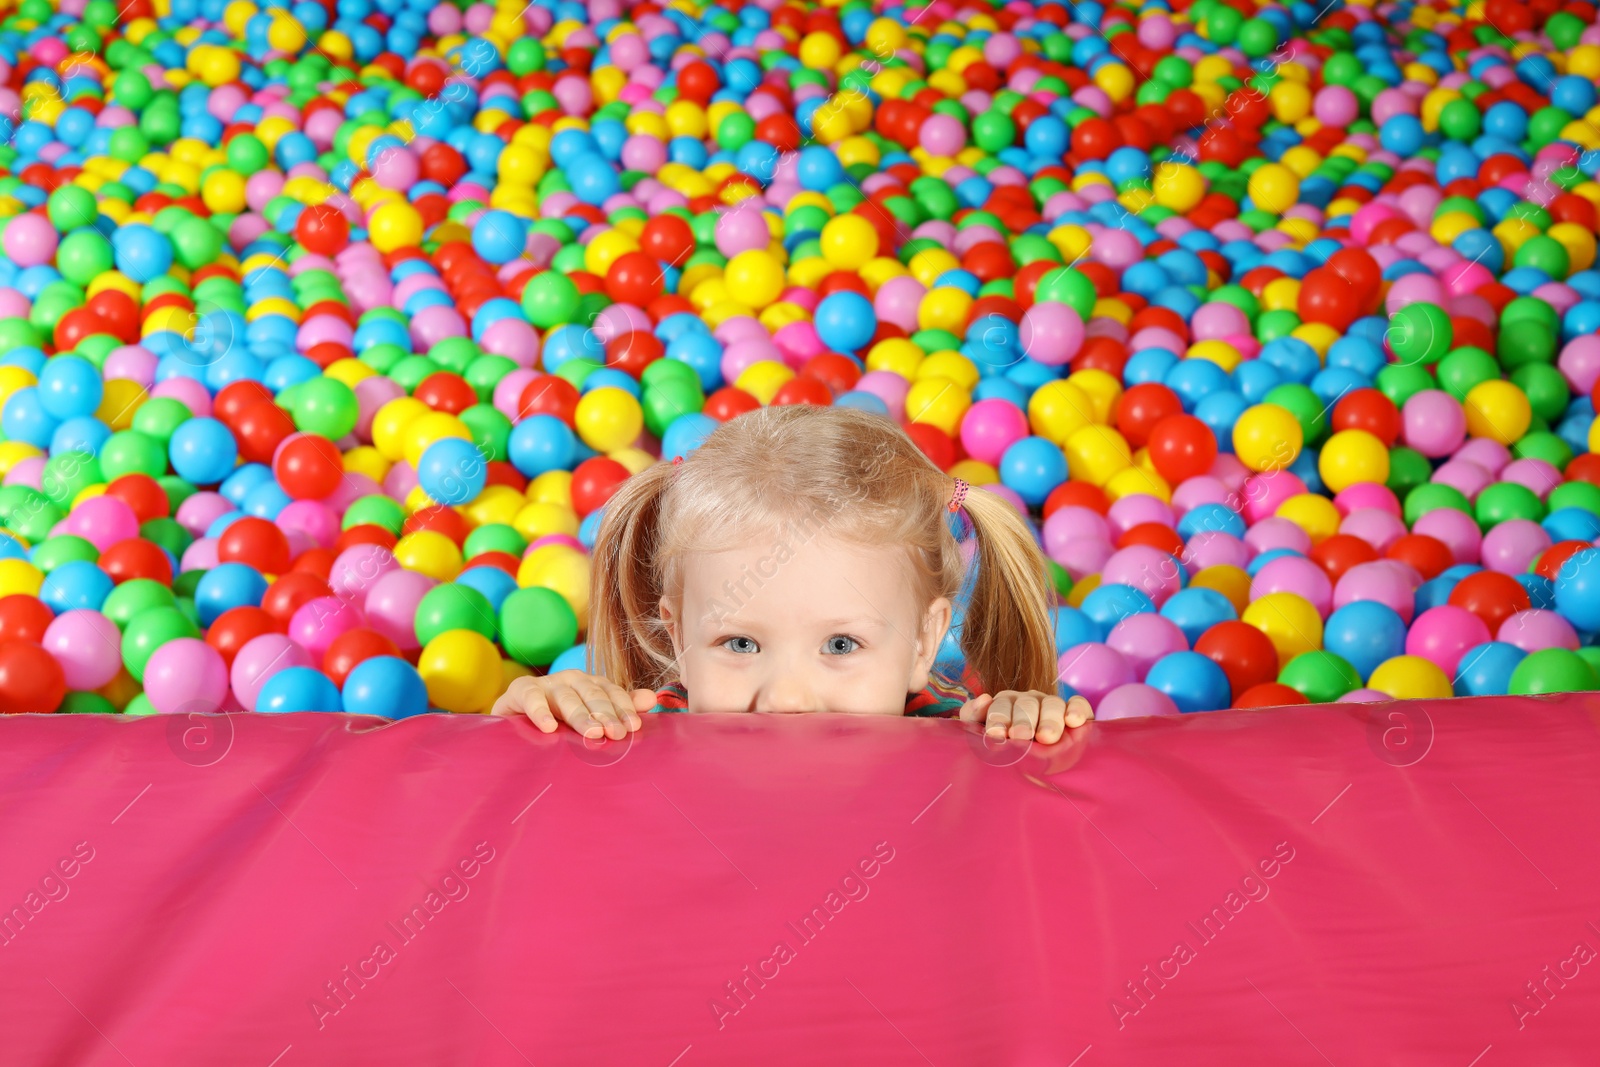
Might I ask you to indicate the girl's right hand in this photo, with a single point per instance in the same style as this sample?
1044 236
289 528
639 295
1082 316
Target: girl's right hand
594 706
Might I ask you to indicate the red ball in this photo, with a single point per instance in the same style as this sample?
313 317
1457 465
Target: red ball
308 467
1270 695
1140 408
23 618
143 494
365 533
257 542
234 628
934 443
260 429
1552 559
1076 494
1428 556
1328 298
729 402
1369 410
1586 468
1154 535
237 396
1245 654
323 229
134 557
350 649
838 372
285 596
803 390
668 238
549 395
1182 447
447 392
1340 552
439 519
633 351
1491 596
635 278
30 679
594 481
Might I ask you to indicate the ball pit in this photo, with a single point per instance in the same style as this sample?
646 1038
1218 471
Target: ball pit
327 330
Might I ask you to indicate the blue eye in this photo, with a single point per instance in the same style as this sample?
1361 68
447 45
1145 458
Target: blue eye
839 645
743 651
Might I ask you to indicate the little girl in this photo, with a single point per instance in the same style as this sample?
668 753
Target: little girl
801 561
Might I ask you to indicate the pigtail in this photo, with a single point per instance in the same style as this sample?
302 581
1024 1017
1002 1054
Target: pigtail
1007 637
627 642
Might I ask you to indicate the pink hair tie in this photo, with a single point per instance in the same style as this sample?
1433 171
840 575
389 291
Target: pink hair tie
677 461
959 496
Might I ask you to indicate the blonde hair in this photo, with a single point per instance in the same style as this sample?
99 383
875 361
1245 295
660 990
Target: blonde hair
864 479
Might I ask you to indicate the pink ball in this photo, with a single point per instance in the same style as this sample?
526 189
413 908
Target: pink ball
1580 363
1265 493
1134 701
1376 527
1297 575
1083 558
87 645
1072 523
741 230
313 518
942 135
261 658
1273 532
1215 548
1051 333
1433 423
1456 529
391 606
1149 570
1336 106
103 521
1136 509
1366 495
1444 634
1377 581
1539 475
1092 670
316 623
1537 629
358 568
1463 475
1143 639
1511 547
29 240
1360 696
186 676
990 427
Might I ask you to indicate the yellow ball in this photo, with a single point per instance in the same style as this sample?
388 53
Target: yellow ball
938 402
1498 410
763 378
561 569
944 308
223 191
1289 621
1352 456
1102 388
14 452
849 242
1267 437
1411 678
429 552
1274 187
1232 582
426 429
12 378
19 576
608 418
1177 187
1059 409
754 277
390 423
819 51
395 225
461 669
1136 481
286 34
1096 453
535 520
1314 514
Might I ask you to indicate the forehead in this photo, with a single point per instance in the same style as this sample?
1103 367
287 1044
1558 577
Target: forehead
789 577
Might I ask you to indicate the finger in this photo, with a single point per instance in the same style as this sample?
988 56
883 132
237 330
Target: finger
999 717
602 710
1052 720
643 700
622 707
972 710
575 712
1078 712
1024 717
527 700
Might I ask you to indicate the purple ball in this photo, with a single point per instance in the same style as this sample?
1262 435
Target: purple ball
1093 670
1134 701
1144 639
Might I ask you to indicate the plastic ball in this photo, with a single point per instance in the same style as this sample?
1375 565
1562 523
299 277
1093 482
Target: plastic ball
295 689
1411 678
1193 681
461 670
384 686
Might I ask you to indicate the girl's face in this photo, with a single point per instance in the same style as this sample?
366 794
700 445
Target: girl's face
795 624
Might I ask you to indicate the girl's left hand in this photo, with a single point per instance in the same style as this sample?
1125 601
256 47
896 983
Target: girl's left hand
1026 716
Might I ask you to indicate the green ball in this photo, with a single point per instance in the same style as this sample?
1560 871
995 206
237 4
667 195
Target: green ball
994 130
87 704
491 430
1070 287
72 206
410 371
485 372
1430 496
177 490
1575 495
159 418
1541 444
1402 381
525 56
537 625
1408 469
494 537
1460 120
1465 368
195 242
148 631
35 517
1321 677
551 298
375 510
139 705
735 131
1545 254
452 606
1545 387
668 402
63 548
1420 333
83 256
135 597
1504 501
1306 407
1525 341
1257 38
1553 670
247 154
66 474
326 407
167 534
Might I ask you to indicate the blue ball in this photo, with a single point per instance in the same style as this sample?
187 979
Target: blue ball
1541 590
75 585
845 321
541 443
1032 468
1193 681
452 471
383 685
1486 669
494 583
686 433
1577 590
1572 524
1194 611
1109 604
298 689
227 586
1364 634
202 451
573 659
70 386
1073 628
1210 518
25 419
498 236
